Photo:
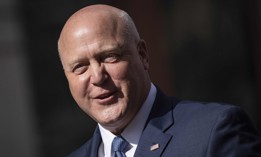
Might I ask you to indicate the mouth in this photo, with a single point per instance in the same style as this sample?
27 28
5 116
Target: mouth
106 98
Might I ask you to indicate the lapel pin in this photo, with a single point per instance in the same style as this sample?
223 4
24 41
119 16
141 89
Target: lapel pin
154 147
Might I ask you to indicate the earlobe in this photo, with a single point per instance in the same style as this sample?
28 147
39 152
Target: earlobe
143 53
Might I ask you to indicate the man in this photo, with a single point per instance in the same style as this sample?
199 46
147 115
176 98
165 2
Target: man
106 64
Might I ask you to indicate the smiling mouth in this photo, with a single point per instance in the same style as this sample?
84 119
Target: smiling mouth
106 98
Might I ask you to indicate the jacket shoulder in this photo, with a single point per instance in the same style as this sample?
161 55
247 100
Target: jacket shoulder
211 110
214 129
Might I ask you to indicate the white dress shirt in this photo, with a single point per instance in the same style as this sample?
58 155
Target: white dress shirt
132 132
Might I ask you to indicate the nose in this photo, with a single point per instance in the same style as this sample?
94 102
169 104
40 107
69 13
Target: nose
98 74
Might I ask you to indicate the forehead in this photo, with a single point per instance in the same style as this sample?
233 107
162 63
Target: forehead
85 49
88 36
91 33
98 46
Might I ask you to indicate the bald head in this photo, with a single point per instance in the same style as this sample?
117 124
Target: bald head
106 64
98 20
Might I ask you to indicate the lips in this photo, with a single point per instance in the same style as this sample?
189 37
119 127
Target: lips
106 97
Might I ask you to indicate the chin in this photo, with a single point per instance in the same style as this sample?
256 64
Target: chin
115 129
113 123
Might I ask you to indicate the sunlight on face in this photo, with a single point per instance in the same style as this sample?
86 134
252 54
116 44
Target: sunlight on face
107 73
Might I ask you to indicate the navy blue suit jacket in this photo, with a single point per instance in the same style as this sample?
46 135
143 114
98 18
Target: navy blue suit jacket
190 129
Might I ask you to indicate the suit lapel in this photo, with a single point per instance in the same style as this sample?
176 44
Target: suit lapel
96 140
152 143
154 139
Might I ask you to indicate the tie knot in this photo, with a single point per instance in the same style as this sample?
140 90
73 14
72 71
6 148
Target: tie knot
119 144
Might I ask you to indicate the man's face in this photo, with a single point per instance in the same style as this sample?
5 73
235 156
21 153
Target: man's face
107 74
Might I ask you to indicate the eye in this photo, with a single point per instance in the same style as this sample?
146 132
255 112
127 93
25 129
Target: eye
80 68
110 58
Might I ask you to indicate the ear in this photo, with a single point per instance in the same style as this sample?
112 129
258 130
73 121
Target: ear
143 53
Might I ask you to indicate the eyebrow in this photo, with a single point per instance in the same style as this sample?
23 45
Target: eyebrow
81 60
73 63
117 47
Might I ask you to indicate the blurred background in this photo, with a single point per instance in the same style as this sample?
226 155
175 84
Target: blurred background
205 50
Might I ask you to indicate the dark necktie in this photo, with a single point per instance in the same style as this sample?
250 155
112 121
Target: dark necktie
119 146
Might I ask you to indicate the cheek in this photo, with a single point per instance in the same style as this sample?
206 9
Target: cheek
77 87
118 71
